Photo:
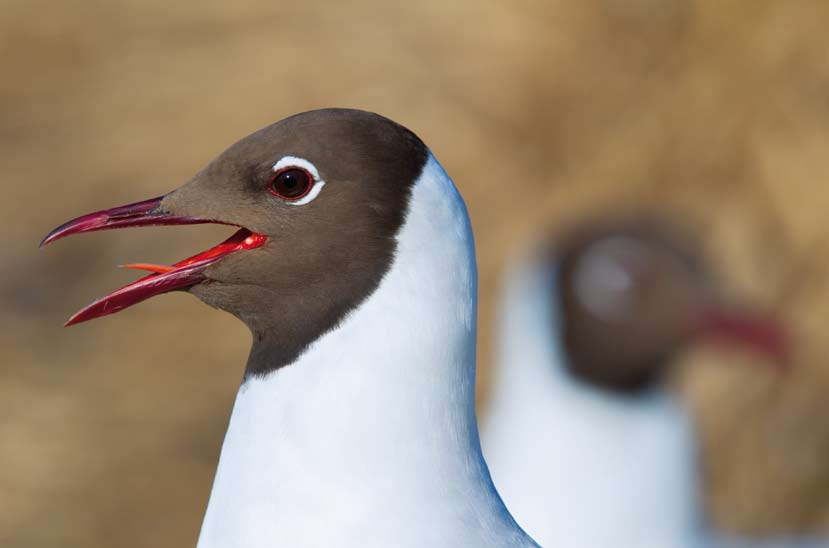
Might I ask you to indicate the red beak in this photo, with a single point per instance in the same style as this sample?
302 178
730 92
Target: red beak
146 213
763 335
181 275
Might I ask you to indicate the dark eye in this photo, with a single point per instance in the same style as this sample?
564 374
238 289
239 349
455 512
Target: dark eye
291 183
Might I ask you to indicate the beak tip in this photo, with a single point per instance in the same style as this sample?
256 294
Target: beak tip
143 213
74 319
55 234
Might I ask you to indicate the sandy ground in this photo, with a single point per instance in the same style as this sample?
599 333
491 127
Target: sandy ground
715 112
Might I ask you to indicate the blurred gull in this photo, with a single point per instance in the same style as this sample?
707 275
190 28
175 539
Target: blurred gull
585 444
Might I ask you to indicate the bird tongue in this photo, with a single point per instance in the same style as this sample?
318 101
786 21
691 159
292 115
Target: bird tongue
163 279
242 239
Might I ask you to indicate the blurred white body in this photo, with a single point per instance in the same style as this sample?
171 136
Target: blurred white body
578 467
370 437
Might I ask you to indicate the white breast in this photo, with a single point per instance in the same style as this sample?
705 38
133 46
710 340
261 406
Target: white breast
578 467
370 437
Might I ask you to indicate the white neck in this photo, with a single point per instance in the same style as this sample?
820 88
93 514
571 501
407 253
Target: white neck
370 437
576 465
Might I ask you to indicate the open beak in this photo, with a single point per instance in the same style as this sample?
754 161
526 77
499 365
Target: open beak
163 279
761 334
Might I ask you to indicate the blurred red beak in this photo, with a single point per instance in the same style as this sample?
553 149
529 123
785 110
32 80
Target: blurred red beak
763 335
181 275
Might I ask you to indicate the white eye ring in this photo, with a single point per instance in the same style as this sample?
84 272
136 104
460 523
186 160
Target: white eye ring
302 163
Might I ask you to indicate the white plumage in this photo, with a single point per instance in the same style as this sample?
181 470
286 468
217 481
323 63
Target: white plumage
370 439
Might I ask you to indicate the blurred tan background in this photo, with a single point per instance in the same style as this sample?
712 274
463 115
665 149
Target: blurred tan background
713 111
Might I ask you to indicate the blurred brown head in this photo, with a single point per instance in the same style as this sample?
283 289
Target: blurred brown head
633 294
